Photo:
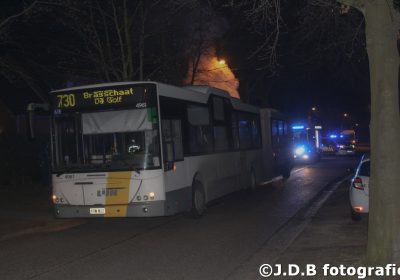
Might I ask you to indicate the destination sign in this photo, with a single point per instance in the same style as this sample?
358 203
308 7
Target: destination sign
137 96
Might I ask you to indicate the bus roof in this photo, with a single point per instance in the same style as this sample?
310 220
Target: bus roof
201 94
98 86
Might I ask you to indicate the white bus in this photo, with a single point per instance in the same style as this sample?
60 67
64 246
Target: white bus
142 149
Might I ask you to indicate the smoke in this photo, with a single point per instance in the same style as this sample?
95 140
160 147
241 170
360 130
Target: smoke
206 29
213 72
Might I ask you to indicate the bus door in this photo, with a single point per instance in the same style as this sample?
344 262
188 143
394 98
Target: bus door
245 144
178 193
280 146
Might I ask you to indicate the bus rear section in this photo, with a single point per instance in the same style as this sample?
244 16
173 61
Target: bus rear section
277 144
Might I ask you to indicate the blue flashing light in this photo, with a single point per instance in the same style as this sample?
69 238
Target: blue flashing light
296 127
341 136
333 136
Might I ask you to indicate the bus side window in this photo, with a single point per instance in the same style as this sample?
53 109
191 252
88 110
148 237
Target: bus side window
218 109
172 132
255 129
221 134
281 132
235 130
199 129
285 133
275 133
245 133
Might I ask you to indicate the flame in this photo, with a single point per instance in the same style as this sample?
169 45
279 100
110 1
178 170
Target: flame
214 72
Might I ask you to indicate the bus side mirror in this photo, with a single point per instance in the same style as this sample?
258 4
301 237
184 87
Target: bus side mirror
32 107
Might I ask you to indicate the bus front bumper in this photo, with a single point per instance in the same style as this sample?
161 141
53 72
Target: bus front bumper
142 209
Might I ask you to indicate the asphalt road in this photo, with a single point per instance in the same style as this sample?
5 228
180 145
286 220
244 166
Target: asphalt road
214 247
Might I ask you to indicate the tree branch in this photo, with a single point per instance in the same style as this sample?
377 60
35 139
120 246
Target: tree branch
4 22
358 4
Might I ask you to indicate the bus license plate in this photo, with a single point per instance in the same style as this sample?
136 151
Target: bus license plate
97 211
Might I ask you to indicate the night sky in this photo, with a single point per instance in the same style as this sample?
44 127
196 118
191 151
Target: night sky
316 72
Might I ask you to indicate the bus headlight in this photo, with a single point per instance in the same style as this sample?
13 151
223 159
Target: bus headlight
152 195
58 199
299 151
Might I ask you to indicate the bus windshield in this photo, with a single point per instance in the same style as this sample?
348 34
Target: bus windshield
112 140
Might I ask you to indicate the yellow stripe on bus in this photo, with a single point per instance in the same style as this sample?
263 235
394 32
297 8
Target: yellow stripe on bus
117 197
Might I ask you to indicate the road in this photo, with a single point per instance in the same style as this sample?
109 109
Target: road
213 247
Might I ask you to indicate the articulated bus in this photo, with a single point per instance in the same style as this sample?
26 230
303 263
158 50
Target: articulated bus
142 149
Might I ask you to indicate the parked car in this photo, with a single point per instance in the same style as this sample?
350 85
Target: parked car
359 189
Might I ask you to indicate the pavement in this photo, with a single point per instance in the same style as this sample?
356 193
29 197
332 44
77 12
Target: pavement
321 233
26 212
330 237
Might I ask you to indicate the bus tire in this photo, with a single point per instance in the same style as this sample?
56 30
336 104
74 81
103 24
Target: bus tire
286 171
198 200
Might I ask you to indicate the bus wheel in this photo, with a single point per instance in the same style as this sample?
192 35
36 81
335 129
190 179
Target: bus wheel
198 200
286 171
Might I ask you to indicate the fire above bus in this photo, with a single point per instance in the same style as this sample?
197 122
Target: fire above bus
139 149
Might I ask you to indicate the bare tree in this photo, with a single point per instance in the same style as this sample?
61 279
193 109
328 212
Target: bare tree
10 67
107 36
201 35
327 34
8 19
382 25
95 41
122 40
265 20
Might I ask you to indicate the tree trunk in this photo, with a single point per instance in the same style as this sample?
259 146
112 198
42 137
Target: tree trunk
384 218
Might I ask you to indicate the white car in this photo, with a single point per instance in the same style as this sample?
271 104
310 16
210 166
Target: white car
359 189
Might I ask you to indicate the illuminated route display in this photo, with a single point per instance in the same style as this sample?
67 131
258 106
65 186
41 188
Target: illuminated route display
133 96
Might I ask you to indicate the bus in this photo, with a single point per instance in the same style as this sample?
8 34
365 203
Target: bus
144 149
307 142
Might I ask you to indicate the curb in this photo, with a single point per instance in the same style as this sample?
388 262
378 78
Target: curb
273 248
296 224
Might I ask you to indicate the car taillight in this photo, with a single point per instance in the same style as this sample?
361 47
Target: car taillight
357 184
